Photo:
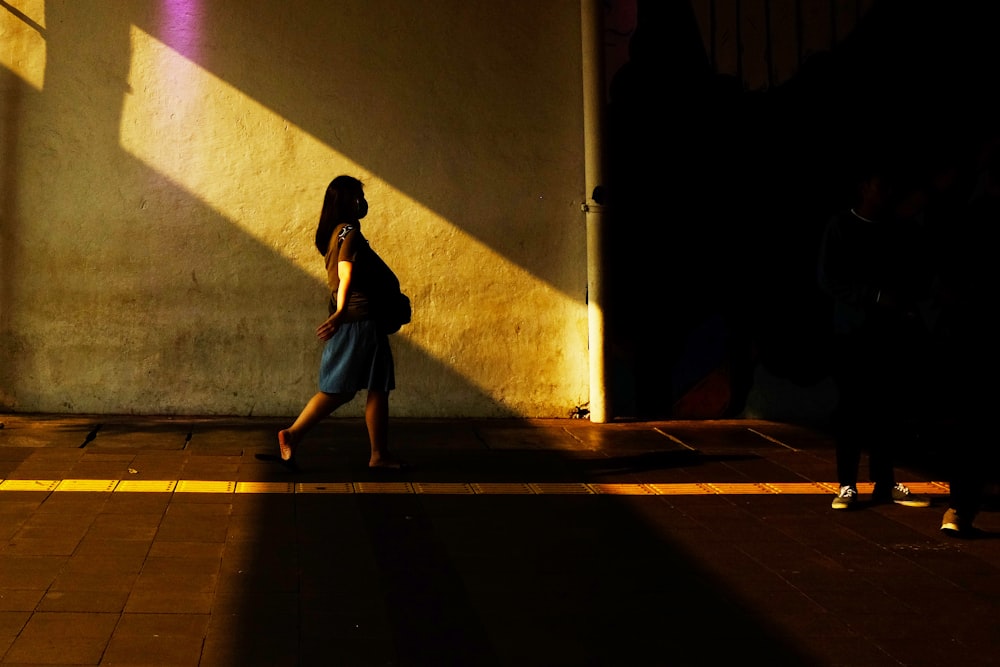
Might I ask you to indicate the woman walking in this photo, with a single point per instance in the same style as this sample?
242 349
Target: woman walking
356 355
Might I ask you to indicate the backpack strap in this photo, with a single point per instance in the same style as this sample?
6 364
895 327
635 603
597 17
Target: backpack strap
343 233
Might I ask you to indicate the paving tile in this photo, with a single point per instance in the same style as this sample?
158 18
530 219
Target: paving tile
158 465
515 436
186 573
123 558
39 472
99 548
158 639
29 431
173 625
11 623
979 639
63 638
263 647
192 528
12 454
122 564
807 624
266 527
254 576
153 600
932 654
97 456
20 599
32 540
185 550
89 599
281 608
837 651
133 526
100 470
848 599
19 572
196 505
54 455
137 503
269 505
15 504
135 436
73 504
10 526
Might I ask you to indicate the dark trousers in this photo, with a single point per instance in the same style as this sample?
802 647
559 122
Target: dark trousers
967 396
972 465
879 390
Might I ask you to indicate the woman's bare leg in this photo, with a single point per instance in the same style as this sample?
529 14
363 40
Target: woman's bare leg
319 407
377 420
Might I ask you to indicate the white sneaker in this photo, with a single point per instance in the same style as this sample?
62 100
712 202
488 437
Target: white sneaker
845 498
956 525
901 495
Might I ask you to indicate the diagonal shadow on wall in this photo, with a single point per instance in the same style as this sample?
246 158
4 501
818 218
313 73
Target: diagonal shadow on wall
418 97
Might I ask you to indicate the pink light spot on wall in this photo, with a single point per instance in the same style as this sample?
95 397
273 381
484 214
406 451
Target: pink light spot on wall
180 26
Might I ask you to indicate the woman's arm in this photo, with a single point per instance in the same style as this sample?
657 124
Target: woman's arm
345 271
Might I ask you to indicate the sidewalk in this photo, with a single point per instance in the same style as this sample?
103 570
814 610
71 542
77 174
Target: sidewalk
164 541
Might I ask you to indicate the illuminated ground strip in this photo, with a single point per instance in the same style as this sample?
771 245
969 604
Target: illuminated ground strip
449 488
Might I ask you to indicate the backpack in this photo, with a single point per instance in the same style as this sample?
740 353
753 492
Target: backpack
390 307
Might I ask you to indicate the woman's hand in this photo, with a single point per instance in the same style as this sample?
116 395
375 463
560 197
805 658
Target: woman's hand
326 330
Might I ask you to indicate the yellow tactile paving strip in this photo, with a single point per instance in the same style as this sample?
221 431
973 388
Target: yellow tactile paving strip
449 488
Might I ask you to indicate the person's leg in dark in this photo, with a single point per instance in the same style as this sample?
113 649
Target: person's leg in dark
316 409
848 428
967 478
377 421
850 417
892 394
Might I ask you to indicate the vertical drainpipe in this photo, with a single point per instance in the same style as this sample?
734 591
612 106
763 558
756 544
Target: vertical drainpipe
594 210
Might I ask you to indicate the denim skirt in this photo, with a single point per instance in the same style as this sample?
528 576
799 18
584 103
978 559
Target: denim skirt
357 357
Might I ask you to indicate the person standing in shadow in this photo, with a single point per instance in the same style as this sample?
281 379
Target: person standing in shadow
966 338
872 264
356 354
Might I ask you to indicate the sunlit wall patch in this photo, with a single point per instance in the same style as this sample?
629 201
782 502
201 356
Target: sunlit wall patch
267 176
219 145
22 40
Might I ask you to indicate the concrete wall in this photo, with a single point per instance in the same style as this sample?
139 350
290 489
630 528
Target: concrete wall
162 168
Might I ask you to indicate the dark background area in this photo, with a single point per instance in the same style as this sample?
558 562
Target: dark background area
719 194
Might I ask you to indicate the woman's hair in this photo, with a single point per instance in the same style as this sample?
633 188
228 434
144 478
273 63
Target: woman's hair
340 202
